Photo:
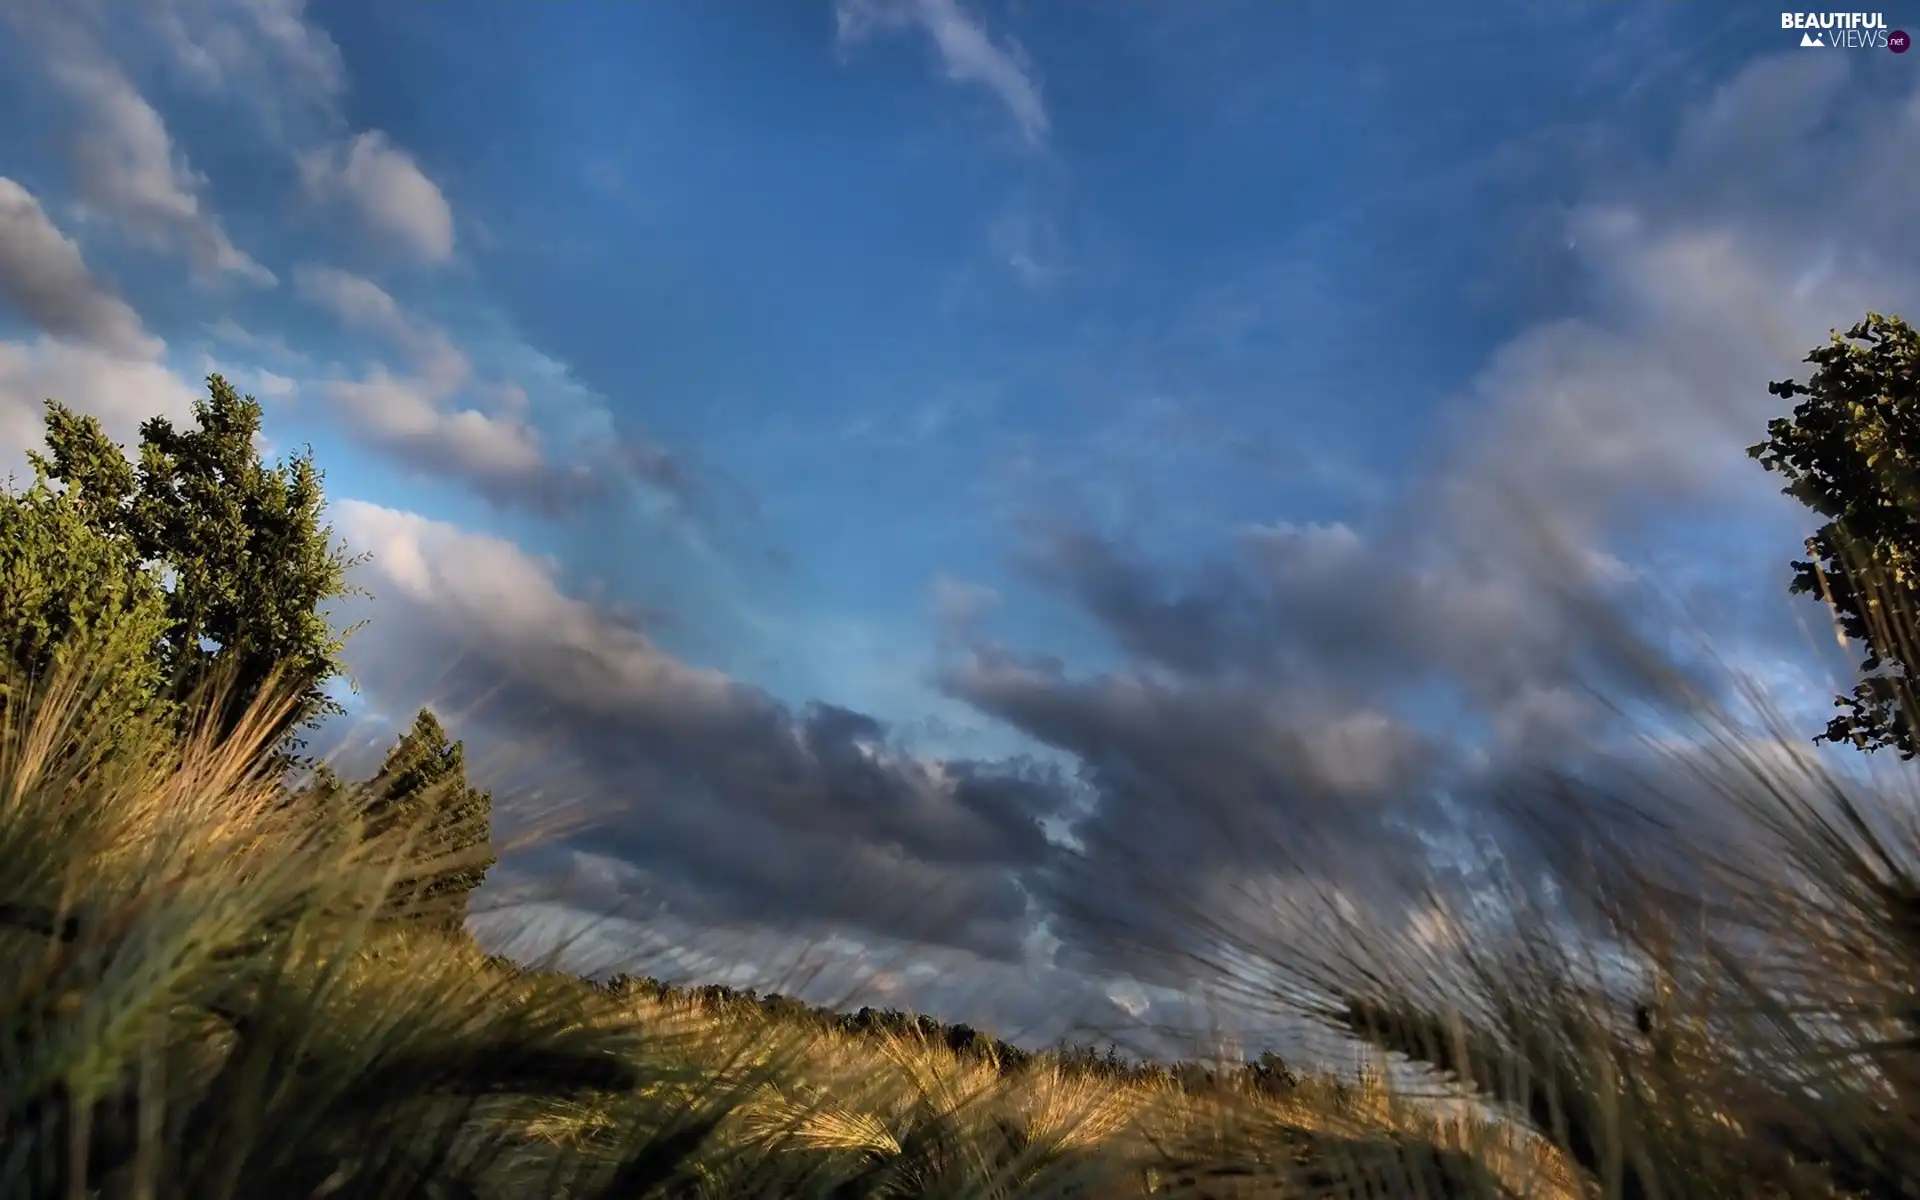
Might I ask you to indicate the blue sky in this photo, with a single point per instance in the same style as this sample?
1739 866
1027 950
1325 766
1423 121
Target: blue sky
987 407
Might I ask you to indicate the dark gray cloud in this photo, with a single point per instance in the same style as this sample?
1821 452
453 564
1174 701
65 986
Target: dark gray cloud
1499 636
729 804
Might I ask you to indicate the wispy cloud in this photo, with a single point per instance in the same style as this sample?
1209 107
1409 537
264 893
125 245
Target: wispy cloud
1027 244
265 54
968 54
227 330
438 416
127 168
361 304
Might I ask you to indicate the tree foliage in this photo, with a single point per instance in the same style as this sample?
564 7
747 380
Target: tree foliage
74 598
236 551
199 566
1851 452
422 789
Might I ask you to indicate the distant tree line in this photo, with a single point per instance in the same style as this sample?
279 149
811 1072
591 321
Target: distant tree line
1268 1072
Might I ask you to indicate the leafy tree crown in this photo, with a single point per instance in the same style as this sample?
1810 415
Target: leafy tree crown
1850 452
246 560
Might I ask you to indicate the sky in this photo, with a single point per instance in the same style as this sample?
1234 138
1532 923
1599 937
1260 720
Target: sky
892 456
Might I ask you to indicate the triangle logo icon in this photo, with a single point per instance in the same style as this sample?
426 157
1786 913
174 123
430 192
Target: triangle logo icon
1812 39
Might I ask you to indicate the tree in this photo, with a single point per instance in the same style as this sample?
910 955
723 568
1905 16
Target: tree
1851 453
246 561
72 597
422 789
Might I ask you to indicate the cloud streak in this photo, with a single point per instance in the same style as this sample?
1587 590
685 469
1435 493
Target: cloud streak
968 54
427 418
127 168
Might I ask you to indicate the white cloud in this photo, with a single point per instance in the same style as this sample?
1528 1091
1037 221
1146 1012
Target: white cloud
387 189
45 279
415 417
263 54
128 170
406 417
290 73
401 413
355 300
968 54
959 604
1643 406
418 416
122 392
93 353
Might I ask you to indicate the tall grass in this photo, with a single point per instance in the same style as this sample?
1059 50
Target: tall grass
1700 980
195 992
212 988
208 993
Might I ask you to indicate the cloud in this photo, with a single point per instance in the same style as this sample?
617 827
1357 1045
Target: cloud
387 190
92 353
251 380
291 74
232 332
958 605
427 407
425 417
1315 687
121 391
734 807
127 169
361 304
968 54
265 50
1027 245
44 278
266 55
499 455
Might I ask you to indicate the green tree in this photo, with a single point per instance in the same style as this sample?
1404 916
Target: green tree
73 597
422 788
1851 453
246 559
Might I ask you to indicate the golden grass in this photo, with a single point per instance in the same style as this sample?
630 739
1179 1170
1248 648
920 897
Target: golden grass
203 1000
